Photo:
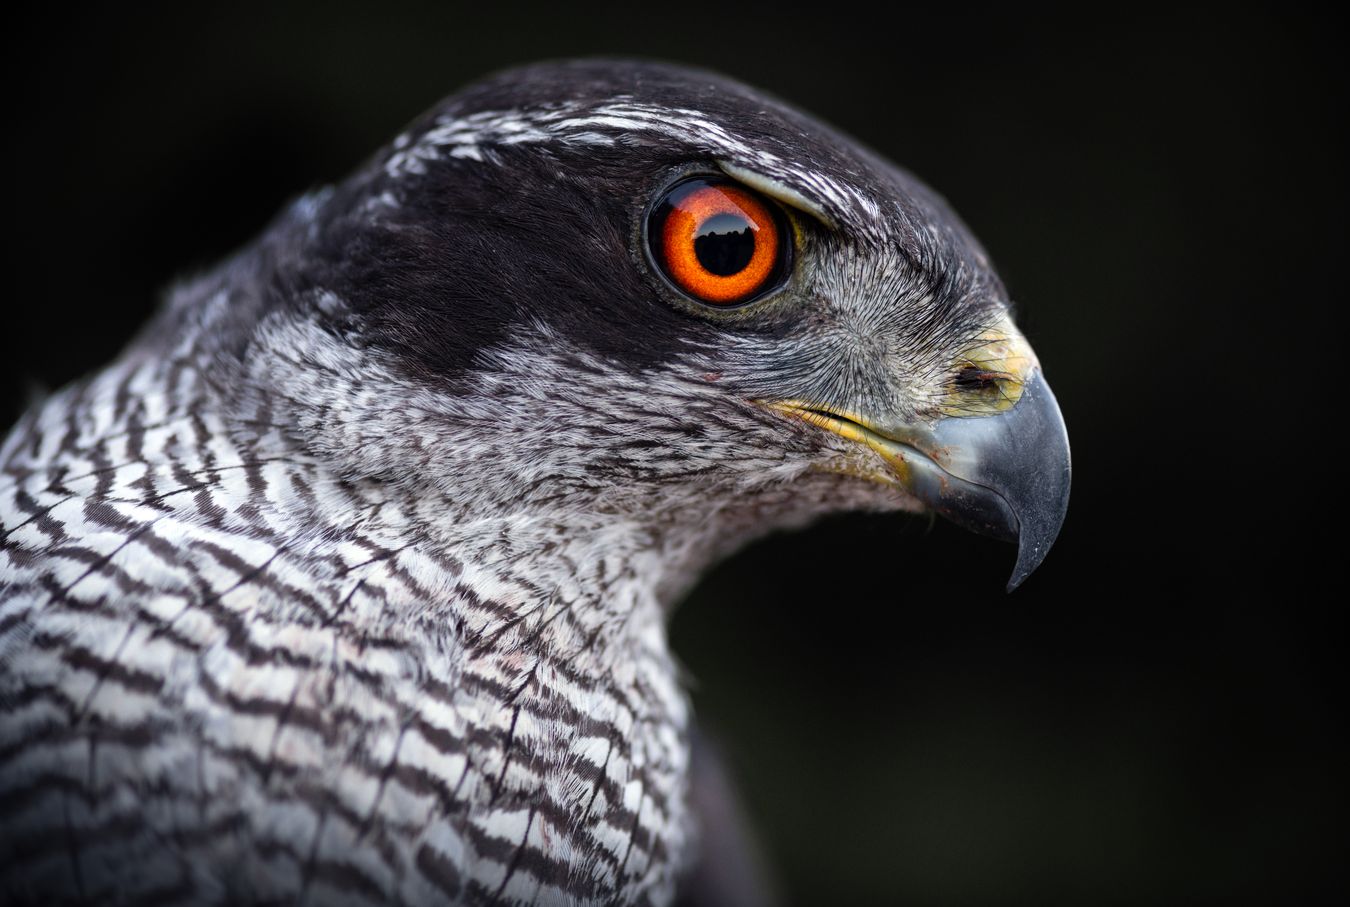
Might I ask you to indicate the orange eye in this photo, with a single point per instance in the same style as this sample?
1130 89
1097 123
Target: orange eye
717 241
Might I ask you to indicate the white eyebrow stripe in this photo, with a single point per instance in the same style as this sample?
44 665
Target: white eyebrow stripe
471 136
777 190
614 122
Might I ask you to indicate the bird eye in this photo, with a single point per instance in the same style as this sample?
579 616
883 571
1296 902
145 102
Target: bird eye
718 242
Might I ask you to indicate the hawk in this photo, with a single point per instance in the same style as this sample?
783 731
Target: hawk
347 581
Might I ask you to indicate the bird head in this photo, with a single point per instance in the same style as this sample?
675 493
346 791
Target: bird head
641 291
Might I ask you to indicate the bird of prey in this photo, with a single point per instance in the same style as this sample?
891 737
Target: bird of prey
347 582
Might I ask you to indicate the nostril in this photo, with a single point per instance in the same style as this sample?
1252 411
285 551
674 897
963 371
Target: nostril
973 379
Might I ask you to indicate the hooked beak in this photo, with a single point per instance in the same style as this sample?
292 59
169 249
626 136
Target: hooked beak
999 470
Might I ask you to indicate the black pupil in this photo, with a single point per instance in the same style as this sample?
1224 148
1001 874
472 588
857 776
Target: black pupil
725 244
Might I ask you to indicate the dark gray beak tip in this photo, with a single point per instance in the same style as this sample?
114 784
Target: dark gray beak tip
1039 492
1004 475
1036 540
1011 480
1029 557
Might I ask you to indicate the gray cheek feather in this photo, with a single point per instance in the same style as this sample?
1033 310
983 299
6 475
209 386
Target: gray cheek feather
870 335
539 423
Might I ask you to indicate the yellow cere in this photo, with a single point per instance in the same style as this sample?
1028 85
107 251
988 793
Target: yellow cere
990 374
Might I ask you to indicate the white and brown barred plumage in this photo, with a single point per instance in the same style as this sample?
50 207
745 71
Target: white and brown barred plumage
347 582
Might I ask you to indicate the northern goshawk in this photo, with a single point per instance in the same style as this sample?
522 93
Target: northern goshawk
347 582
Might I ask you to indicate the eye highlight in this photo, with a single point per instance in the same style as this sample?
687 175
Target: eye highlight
718 241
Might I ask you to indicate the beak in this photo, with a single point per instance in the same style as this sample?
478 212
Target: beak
1001 471
1004 475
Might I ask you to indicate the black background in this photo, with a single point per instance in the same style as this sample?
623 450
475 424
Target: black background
1154 716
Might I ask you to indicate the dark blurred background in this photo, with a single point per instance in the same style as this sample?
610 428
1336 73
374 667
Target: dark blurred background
1154 716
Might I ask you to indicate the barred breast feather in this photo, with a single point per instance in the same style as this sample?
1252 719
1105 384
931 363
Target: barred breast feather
228 675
